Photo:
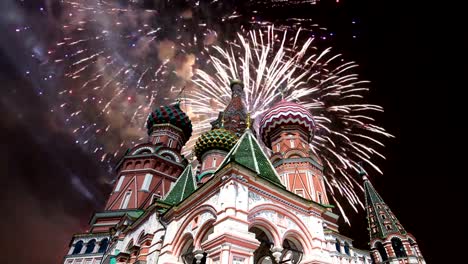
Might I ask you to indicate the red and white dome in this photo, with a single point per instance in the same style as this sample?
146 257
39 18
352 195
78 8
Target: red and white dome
286 113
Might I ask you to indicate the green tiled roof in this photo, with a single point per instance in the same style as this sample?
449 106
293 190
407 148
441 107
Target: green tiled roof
248 153
183 187
385 221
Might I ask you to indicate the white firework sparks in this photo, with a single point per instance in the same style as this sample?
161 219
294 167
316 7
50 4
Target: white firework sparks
267 63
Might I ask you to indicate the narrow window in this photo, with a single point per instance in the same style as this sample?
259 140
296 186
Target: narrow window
337 245
320 197
170 143
278 147
346 249
147 182
90 246
78 247
126 200
157 140
103 245
119 184
213 163
292 143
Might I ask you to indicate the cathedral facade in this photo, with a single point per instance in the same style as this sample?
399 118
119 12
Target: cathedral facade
235 204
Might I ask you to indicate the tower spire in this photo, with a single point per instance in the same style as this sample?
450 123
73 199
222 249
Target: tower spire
382 221
388 239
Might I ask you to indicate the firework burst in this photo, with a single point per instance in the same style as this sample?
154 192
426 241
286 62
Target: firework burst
276 63
121 58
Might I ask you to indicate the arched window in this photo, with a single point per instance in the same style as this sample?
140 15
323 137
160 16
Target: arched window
103 245
292 252
278 147
90 246
78 247
382 252
338 246
383 216
262 255
346 249
170 142
188 255
213 163
398 248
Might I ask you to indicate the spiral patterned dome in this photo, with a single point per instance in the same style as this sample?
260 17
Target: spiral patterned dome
219 138
173 115
286 113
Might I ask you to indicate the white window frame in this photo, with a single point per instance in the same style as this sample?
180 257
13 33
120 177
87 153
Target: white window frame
119 184
125 201
213 162
293 145
278 147
147 182
170 142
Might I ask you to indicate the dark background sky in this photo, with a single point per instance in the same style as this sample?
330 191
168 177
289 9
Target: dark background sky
401 48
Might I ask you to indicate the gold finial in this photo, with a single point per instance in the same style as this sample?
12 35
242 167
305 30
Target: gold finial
178 100
248 120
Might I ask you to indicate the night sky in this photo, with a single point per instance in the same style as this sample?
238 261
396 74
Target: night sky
51 186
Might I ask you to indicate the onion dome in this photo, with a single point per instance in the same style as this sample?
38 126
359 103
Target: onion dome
219 138
173 115
286 113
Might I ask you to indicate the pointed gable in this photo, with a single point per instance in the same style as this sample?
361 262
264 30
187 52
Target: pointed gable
183 187
248 153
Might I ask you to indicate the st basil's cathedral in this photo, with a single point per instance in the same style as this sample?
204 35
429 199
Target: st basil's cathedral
235 204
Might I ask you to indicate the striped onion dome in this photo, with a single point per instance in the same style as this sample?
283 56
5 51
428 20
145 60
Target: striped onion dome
219 138
170 114
286 113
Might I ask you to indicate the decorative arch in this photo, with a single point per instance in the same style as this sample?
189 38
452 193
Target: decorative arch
398 247
140 237
172 155
295 152
203 231
129 165
280 210
195 213
138 165
142 150
381 250
267 227
296 237
183 244
147 164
